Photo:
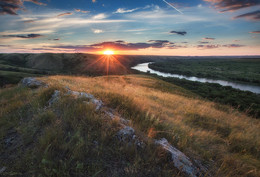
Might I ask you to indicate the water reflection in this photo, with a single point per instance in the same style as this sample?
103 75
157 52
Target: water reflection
144 68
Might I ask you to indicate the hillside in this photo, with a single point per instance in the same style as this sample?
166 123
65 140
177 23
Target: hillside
13 67
130 125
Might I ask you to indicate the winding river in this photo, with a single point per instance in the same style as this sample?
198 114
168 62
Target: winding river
143 67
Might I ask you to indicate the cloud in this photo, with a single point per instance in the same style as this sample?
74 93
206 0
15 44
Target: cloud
56 39
120 45
12 6
208 46
28 36
232 5
83 11
123 10
203 42
29 21
251 15
178 32
209 38
63 14
233 45
255 32
97 31
99 16
219 46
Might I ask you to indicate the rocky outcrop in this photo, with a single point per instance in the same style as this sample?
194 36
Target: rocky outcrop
54 98
92 99
32 82
180 160
126 134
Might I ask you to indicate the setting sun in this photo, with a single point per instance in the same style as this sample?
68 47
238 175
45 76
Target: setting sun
108 52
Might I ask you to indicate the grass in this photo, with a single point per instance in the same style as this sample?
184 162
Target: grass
247 102
72 139
68 139
12 77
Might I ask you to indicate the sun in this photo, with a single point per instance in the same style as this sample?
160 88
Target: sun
108 52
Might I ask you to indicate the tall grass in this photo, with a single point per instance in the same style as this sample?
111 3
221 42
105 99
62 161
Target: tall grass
225 139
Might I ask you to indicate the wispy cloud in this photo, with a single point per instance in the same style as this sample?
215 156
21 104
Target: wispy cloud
208 46
251 15
255 32
99 16
234 5
182 33
203 42
11 7
97 31
28 36
231 5
209 38
123 10
63 14
219 46
82 11
233 45
121 45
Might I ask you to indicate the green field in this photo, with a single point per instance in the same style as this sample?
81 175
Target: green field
243 70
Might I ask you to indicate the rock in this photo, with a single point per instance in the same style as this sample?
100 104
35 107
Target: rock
93 100
98 103
127 135
122 120
2 170
55 97
32 83
180 160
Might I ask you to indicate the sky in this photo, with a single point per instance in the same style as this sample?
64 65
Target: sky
132 27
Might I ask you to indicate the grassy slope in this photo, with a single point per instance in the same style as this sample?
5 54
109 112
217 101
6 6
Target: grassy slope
244 70
246 102
62 142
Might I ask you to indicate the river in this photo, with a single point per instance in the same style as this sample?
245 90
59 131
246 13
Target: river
143 67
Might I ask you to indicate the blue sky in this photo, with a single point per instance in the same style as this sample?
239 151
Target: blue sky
145 27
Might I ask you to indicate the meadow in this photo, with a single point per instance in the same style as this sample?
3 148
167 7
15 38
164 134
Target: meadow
61 140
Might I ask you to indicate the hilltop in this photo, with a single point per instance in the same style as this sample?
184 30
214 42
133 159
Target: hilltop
130 125
14 67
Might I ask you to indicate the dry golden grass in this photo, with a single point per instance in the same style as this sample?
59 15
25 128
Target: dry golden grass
227 140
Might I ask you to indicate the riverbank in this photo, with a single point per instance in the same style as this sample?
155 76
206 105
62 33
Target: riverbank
145 67
244 101
239 70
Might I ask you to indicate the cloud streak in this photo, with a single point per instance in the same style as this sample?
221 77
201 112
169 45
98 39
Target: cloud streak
123 10
255 32
232 5
219 46
251 15
28 36
121 45
11 7
209 38
64 14
82 11
182 33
